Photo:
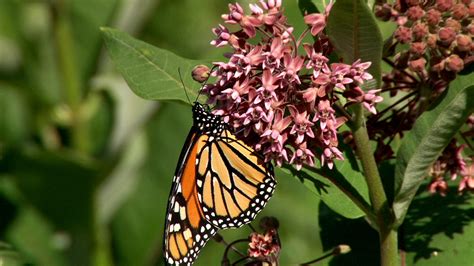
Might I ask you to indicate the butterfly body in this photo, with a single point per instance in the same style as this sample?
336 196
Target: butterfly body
219 182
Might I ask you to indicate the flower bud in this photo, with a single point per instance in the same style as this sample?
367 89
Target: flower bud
415 13
463 42
459 11
454 63
446 35
444 5
470 28
417 65
200 73
412 2
383 12
419 31
433 17
454 24
437 64
341 249
418 48
431 41
403 34
401 59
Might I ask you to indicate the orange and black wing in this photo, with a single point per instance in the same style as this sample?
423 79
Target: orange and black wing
232 180
186 230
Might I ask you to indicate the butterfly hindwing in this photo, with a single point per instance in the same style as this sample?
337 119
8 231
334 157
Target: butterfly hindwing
233 181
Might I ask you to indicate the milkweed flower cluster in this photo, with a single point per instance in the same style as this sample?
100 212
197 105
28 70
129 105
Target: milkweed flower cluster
263 245
433 40
439 34
280 101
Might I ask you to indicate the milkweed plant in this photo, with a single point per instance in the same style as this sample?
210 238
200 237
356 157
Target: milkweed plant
311 100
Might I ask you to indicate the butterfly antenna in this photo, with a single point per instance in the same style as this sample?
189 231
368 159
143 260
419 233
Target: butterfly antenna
184 86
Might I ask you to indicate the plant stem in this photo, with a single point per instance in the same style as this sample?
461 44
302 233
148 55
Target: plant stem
68 67
380 204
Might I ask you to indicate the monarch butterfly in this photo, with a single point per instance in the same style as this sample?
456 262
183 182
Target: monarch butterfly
219 182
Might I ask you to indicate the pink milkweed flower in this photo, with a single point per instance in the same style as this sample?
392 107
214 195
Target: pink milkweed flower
266 92
370 99
318 21
358 71
329 154
238 90
236 13
271 4
312 94
276 133
438 185
223 36
292 67
273 57
262 246
467 181
317 61
302 156
256 117
324 113
243 63
302 125
340 75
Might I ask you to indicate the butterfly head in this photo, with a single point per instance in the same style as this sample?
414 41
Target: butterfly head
205 121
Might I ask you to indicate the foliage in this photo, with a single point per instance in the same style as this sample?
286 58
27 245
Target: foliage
92 121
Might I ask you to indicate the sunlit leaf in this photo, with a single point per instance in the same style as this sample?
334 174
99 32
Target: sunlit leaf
151 72
432 131
347 178
353 30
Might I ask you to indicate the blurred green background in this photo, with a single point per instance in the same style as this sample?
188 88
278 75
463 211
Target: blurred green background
86 166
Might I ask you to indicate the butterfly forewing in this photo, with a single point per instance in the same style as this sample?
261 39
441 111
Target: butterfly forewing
186 231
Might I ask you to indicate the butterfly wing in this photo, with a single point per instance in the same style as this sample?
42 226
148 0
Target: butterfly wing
233 181
186 231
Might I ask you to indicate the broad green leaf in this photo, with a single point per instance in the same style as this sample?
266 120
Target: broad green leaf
152 73
87 16
10 257
354 32
61 187
15 117
440 230
138 226
432 131
308 6
347 179
34 237
98 110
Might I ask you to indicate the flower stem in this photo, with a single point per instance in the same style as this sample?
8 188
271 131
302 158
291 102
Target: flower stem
380 204
69 72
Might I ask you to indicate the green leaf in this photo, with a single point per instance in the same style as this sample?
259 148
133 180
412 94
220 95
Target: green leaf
432 131
98 110
439 230
346 178
308 6
62 188
35 238
15 117
138 226
87 16
152 73
10 257
354 32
